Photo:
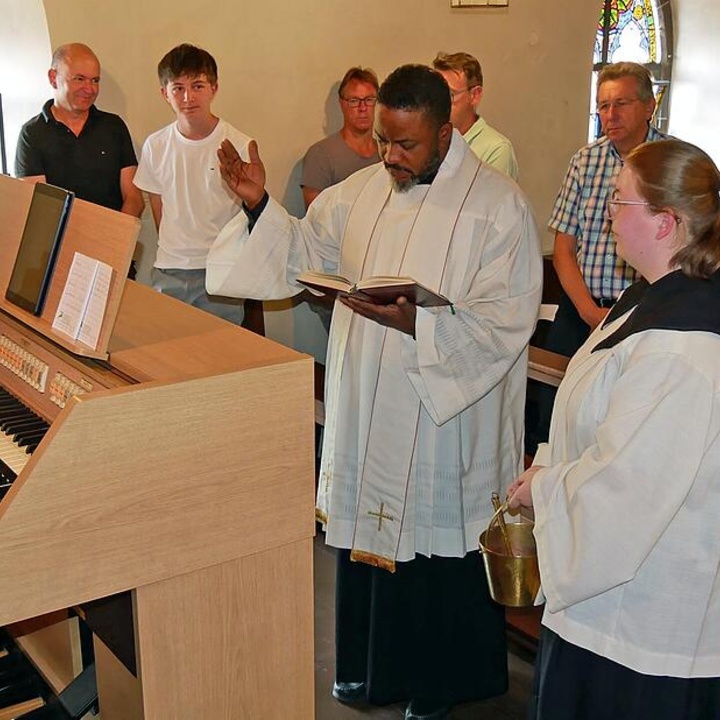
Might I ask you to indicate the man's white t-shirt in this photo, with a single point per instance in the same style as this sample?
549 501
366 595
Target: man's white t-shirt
196 203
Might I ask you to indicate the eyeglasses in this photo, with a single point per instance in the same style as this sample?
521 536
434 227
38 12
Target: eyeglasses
354 102
621 104
455 93
613 201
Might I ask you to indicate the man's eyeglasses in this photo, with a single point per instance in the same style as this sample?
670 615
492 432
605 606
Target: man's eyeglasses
456 93
354 102
604 107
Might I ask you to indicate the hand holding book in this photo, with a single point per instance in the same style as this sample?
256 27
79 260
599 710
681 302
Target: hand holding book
380 290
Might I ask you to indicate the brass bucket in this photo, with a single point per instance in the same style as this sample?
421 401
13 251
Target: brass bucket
513 579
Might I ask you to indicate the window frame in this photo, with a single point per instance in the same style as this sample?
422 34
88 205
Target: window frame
661 71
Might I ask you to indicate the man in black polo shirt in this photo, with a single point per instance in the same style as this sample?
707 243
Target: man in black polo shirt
74 145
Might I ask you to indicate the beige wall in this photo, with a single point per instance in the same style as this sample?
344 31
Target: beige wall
695 101
23 65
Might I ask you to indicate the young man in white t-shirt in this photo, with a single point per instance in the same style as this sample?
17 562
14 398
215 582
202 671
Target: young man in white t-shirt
179 170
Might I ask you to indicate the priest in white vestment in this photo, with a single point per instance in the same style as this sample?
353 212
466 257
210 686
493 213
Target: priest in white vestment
424 407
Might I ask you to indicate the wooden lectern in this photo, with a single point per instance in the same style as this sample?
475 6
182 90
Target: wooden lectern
182 472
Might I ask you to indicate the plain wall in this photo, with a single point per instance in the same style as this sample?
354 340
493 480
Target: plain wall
24 63
695 101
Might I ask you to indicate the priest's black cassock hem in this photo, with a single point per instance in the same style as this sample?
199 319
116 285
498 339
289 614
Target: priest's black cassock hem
427 631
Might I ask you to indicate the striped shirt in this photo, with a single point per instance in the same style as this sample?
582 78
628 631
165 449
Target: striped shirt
580 211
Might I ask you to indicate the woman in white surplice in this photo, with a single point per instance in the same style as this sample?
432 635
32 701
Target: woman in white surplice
424 407
626 494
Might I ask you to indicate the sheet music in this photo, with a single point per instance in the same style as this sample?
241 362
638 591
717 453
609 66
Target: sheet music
82 305
95 310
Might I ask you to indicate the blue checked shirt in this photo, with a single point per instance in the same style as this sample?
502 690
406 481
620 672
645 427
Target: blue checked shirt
580 210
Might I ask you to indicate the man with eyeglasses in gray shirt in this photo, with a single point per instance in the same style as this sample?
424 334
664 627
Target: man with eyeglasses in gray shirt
353 147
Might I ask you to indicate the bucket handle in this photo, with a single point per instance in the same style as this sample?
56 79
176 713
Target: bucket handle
497 518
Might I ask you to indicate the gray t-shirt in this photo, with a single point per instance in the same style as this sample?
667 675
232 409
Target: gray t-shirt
330 161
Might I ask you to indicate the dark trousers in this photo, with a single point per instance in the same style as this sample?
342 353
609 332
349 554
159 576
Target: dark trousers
429 631
567 333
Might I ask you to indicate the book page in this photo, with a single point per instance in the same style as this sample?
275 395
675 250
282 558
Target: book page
324 277
95 310
385 281
75 295
321 284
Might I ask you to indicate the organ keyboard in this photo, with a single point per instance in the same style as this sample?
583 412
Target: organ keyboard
20 433
43 378
177 464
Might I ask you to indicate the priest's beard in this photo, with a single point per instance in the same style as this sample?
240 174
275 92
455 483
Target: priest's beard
426 175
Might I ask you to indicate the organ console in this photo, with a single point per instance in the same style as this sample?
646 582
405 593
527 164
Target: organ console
172 464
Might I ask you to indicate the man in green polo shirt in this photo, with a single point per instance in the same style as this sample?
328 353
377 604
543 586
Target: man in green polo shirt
464 76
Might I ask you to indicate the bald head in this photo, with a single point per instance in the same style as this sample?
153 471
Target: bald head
75 77
77 50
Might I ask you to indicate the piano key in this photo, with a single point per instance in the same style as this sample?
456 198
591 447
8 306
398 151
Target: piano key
18 420
12 426
24 438
18 426
6 473
10 406
13 417
15 408
13 456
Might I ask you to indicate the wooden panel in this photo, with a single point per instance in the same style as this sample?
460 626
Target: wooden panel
524 624
15 197
92 230
231 642
158 337
119 690
127 480
16 711
52 643
546 367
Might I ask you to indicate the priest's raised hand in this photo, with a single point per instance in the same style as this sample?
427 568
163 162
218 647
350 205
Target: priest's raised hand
245 179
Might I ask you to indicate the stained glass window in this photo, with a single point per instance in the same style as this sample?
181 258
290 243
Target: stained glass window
639 31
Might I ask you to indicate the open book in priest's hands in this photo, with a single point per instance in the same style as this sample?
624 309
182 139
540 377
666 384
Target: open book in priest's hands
379 289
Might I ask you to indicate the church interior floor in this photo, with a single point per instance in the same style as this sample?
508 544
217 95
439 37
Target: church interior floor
511 706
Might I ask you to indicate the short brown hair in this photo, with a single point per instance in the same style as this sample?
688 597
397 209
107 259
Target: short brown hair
359 74
460 62
619 70
187 60
678 177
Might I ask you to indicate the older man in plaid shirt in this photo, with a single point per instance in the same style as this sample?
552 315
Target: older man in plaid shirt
590 272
